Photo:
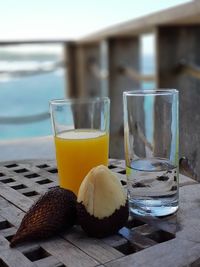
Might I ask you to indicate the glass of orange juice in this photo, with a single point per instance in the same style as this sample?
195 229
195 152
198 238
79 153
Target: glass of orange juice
81 133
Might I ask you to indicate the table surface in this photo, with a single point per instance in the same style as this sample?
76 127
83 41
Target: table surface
170 241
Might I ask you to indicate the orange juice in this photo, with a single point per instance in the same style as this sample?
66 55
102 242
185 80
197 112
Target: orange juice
77 152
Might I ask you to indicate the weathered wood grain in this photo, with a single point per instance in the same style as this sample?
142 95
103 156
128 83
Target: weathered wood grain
68 254
174 253
174 44
140 239
13 258
189 216
180 251
48 262
15 197
114 241
184 180
26 179
93 247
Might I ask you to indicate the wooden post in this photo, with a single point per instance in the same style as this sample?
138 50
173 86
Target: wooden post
70 54
175 44
123 52
82 81
88 67
104 64
84 74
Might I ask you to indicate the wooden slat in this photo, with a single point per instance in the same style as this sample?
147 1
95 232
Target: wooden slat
114 240
168 225
188 216
8 231
93 247
17 259
138 240
145 229
68 254
175 252
15 197
4 244
11 213
184 180
48 262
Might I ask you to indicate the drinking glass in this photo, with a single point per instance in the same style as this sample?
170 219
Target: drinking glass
151 150
81 133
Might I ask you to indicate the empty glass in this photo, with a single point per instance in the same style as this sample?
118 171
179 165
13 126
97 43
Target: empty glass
151 150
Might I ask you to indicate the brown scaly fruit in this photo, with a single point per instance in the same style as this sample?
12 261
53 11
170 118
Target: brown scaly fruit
55 211
102 207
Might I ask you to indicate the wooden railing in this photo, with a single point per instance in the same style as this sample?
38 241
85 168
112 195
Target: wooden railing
108 63
24 119
189 69
136 76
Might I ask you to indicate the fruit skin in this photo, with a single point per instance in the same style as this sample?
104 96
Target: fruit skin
54 212
100 228
102 206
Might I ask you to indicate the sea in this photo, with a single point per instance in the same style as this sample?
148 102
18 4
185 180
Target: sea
28 81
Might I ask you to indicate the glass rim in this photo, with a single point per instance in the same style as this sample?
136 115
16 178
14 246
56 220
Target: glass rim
63 101
149 92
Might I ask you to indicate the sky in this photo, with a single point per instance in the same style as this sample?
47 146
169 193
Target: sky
66 19
71 19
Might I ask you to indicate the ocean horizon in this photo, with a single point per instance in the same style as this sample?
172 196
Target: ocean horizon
25 95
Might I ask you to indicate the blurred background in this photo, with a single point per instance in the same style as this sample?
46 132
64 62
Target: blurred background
57 49
32 57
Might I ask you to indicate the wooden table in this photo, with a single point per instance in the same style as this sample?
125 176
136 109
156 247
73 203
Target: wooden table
171 241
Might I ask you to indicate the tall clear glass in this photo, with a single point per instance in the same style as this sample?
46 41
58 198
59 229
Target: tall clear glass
151 150
81 131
